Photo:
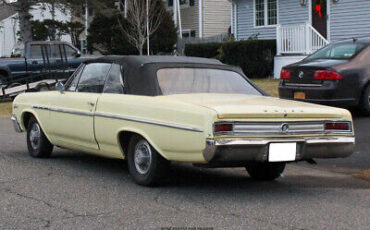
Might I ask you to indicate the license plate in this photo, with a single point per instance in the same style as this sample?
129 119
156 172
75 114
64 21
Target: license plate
300 95
279 152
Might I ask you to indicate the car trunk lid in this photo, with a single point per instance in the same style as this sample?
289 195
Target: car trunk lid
303 72
249 106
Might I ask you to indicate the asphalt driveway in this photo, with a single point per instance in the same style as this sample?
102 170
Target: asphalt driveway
76 191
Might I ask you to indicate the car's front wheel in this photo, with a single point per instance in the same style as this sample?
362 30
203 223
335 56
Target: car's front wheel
265 171
365 101
37 143
145 164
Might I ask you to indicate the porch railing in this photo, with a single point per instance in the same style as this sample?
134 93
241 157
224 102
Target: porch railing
298 39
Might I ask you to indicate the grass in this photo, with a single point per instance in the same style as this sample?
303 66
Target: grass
365 175
5 109
268 85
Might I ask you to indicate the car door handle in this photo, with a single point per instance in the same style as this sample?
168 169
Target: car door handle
91 103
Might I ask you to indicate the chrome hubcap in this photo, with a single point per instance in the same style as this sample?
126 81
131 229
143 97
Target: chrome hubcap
35 135
143 157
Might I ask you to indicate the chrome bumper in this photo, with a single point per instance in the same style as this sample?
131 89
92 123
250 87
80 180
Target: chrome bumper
256 149
16 125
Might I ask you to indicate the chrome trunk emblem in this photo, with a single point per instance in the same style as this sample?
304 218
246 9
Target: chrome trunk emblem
301 74
284 128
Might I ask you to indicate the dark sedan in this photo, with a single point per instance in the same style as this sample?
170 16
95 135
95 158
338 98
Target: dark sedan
337 75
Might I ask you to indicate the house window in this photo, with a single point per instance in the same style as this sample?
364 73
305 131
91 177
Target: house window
183 3
265 12
188 33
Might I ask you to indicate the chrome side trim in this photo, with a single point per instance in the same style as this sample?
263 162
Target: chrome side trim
64 111
303 85
72 112
148 122
265 141
16 125
120 118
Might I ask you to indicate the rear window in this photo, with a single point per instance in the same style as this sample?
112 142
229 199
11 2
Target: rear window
338 51
202 80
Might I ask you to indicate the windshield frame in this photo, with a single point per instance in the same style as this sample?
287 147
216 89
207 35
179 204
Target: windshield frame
236 70
365 45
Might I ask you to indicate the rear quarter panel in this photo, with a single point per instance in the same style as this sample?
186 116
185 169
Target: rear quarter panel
172 143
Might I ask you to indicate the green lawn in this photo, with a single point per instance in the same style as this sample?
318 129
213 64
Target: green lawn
5 109
268 85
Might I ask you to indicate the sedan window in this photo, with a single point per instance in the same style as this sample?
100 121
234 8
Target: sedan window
114 82
338 51
93 77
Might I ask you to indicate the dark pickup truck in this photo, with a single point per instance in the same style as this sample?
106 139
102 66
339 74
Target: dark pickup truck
41 60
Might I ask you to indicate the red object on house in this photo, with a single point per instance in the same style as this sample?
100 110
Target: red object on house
318 9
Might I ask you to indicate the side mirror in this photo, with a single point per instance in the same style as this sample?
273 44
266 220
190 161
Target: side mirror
78 54
59 86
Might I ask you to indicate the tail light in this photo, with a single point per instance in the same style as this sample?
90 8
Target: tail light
285 74
338 126
326 75
223 128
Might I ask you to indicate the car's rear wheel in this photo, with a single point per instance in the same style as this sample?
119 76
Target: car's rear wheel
265 171
145 164
365 101
37 143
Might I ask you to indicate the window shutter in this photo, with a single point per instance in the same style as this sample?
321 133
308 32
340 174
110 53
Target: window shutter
170 3
191 2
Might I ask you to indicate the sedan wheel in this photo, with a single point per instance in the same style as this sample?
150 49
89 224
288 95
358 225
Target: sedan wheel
145 164
37 143
365 101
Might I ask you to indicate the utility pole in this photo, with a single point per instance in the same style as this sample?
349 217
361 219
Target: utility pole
147 28
86 25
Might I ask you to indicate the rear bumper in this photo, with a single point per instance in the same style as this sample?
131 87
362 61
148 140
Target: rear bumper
327 95
240 150
16 125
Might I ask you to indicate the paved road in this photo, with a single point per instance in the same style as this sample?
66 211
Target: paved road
76 191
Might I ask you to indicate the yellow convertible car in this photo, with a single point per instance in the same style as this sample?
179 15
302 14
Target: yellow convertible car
155 110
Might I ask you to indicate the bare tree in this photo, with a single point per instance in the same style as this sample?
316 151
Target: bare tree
135 29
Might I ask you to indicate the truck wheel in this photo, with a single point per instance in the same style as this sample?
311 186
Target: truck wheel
37 143
365 101
265 171
145 164
2 81
43 87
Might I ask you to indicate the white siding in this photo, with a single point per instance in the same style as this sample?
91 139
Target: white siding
8 37
9 28
289 12
189 18
216 17
349 18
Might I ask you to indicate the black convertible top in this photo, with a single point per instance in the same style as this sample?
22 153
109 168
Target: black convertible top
140 72
142 60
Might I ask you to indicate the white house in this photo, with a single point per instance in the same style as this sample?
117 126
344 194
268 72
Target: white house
9 25
300 27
